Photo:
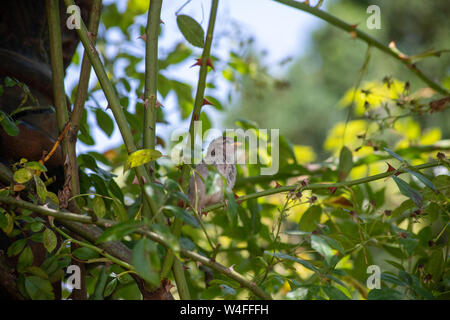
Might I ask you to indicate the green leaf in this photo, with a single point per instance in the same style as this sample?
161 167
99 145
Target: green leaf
310 218
25 259
392 153
422 178
322 247
408 191
118 231
41 189
392 279
232 209
16 247
23 175
37 272
34 165
384 294
104 121
345 163
39 288
144 259
36 226
284 256
85 253
8 124
141 157
334 293
191 30
435 265
110 287
99 207
10 82
120 213
50 240
183 215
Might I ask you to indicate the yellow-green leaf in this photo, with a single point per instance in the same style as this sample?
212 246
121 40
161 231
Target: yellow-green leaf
99 207
49 240
23 175
40 188
141 157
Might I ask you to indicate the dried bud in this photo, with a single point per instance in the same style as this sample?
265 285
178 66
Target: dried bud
387 212
440 155
403 235
332 189
313 199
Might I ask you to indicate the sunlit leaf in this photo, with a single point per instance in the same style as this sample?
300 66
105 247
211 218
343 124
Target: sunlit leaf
99 207
141 157
23 175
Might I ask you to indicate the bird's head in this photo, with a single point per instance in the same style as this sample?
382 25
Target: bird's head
222 150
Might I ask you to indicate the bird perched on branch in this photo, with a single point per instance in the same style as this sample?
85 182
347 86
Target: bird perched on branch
221 154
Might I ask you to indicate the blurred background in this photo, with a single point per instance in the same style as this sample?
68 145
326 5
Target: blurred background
275 65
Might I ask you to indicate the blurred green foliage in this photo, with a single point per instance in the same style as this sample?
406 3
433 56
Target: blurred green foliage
305 103
302 244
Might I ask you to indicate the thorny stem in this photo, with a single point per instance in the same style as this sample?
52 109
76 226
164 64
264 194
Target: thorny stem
114 104
366 38
201 85
81 95
151 73
59 95
323 185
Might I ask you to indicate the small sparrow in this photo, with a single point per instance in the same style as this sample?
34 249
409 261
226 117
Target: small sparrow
220 154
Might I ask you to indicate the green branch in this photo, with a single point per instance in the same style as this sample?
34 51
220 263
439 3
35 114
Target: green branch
316 186
201 86
366 38
151 73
